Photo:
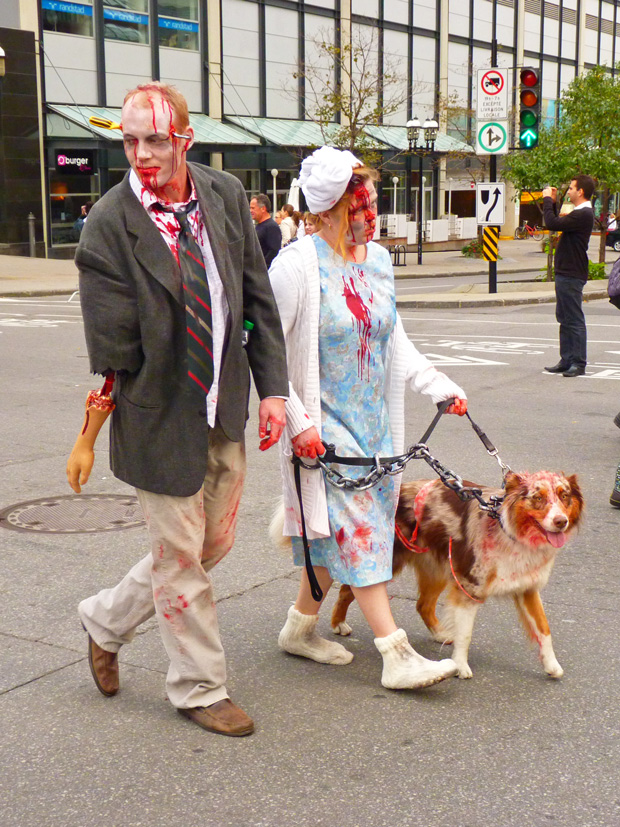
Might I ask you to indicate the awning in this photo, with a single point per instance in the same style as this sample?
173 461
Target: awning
283 132
280 131
396 137
207 130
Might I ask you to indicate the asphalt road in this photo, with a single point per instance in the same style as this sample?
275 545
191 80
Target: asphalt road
332 747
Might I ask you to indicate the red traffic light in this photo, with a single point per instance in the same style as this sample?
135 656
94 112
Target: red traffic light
529 77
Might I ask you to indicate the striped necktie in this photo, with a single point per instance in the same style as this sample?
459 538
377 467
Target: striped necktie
197 305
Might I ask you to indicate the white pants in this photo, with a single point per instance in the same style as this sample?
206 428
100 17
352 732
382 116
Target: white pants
188 536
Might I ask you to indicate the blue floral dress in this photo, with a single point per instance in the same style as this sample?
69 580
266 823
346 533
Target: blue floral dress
357 316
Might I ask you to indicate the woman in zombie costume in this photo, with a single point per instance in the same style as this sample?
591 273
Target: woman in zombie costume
349 360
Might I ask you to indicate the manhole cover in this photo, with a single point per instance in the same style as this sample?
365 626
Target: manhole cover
74 514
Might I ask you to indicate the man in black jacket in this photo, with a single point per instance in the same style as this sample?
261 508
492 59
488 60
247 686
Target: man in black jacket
571 270
267 230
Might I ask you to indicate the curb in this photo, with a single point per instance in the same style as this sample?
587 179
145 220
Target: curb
492 300
25 294
451 273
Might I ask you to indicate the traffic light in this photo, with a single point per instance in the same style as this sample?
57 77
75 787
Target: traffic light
529 107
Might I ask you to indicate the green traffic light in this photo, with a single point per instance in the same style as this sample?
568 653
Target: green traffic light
529 118
528 139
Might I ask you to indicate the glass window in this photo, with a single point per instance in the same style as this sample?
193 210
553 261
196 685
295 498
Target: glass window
68 18
122 20
178 24
67 195
181 9
250 178
178 34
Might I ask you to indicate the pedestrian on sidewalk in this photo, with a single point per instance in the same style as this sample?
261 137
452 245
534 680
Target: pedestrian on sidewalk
170 267
267 230
288 224
571 270
349 360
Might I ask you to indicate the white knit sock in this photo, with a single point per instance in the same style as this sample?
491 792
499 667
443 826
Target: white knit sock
404 668
299 637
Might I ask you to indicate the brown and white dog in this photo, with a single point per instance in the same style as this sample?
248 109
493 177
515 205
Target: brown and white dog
452 543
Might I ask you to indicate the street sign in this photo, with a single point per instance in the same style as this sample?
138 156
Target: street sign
490 204
492 99
490 243
491 137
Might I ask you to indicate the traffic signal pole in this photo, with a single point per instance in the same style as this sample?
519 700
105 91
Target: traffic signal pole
493 179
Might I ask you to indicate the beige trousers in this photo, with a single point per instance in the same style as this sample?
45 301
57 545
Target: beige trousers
188 536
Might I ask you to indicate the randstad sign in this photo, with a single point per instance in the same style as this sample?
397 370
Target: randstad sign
75 162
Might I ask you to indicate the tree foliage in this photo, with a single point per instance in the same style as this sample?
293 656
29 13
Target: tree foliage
585 140
348 88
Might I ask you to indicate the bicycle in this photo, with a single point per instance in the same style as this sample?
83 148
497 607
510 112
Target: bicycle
529 230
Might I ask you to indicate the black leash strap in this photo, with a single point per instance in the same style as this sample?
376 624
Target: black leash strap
442 407
317 592
482 436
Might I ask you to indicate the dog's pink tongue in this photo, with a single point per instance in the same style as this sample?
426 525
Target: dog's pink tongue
556 539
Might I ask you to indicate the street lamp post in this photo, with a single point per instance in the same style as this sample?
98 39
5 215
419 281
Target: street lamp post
395 182
426 147
274 175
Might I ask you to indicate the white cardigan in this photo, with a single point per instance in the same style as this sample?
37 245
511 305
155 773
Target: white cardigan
295 280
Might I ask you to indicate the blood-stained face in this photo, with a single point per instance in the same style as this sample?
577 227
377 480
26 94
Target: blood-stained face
153 149
362 214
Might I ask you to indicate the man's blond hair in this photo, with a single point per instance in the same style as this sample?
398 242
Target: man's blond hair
170 94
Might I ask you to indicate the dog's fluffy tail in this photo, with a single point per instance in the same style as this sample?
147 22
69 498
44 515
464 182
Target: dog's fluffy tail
276 529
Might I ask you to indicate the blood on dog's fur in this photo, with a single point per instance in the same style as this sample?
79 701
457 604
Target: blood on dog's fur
510 555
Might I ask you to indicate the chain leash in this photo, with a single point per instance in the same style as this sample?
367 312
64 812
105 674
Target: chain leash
391 466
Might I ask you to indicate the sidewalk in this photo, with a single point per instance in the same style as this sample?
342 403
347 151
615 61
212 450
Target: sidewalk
21 276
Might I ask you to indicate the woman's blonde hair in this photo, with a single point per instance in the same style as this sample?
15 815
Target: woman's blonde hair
340 210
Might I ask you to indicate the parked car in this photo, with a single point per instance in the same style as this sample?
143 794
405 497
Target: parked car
613 239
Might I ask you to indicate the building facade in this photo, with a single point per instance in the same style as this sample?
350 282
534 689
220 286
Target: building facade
240 65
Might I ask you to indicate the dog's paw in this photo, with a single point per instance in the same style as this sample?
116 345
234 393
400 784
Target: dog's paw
553 669
441 635
464 671
342 629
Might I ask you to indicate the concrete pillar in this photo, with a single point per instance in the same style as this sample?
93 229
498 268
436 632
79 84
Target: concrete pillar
213 20
443 99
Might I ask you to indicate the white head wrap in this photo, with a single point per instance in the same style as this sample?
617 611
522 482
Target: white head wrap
324 177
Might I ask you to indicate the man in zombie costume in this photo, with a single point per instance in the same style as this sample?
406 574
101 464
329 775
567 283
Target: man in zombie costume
170 268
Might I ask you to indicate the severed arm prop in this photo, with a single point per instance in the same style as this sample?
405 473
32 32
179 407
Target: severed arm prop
99 406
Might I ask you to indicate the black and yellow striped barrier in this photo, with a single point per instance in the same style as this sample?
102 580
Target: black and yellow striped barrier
490 243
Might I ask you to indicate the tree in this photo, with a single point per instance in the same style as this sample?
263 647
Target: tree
553 163
591 105
347 88
584 141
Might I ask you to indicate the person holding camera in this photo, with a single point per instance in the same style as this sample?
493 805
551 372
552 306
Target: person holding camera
571 270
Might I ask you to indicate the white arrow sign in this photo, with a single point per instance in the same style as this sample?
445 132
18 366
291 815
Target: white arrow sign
491 137
490 204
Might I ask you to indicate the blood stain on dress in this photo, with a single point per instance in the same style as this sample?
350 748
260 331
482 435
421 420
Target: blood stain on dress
363 318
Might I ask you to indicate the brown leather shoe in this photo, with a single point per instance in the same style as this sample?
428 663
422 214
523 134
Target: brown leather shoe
104 668
222 717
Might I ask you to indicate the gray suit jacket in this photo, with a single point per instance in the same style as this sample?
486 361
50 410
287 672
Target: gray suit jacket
134 320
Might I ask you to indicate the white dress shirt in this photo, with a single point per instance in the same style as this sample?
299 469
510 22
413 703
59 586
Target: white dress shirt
169 228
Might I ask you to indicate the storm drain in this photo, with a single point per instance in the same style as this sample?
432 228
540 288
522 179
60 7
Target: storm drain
74 514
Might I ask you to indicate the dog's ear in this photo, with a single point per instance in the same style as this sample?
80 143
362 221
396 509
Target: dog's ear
514 482
575 488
